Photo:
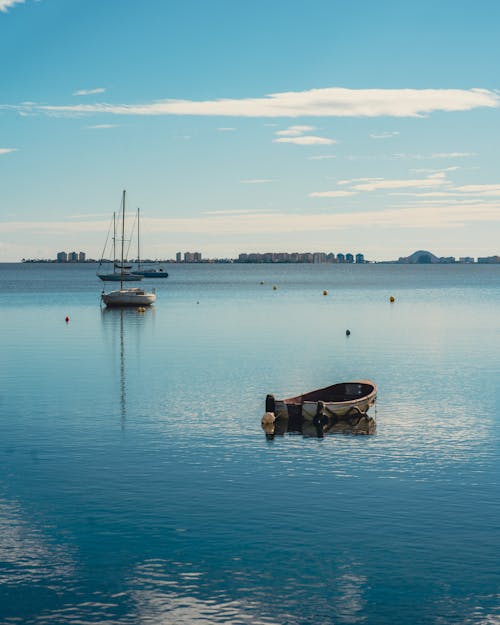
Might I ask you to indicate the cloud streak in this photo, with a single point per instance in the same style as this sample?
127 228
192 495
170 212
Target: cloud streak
305 140
384 135
5 5
431 214
434 180
332 193
102 126
89 91
323 102
7 150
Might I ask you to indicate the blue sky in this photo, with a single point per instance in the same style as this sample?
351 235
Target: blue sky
237 126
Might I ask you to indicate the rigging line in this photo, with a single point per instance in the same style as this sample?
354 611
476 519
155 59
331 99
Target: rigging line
106 243
131 236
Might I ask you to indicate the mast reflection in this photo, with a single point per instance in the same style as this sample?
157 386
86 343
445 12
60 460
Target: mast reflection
124 324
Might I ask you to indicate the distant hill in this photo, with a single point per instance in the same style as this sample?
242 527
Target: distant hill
421 257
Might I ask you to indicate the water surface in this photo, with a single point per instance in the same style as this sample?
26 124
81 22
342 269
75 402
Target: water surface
136 485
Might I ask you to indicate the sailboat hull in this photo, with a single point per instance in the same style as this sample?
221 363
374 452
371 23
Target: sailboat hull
128 297
115 277
151 273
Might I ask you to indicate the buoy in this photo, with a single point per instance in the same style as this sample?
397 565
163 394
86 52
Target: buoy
274 287
347 332
268 419
66 319
391 299
325 292
262 282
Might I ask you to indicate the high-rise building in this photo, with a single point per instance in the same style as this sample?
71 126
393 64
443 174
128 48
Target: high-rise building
349 258
178 257
62 257
73 257
360 259
81 257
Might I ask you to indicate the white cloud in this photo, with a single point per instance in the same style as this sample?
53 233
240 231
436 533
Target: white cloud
329 102
452 155
431 214
89 91
102 126
480 189
424 170
5 5
435 155
384 135
294 131
332 193
7 150
426 194
226 129
321 157
305 140
257 181
342 182
434 180
461 193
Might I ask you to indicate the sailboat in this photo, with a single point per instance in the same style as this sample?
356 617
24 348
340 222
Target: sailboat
132 296
147 272
120 272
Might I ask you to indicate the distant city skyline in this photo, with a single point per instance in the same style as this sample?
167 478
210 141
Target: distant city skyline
417 257
298 125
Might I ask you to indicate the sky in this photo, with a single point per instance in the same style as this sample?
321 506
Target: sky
238 126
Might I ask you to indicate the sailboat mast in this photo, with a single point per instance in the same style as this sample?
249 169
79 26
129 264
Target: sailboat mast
114 241
138 238
123 240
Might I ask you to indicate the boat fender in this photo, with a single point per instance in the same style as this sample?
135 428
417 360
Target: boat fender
270 403
320 418
268 419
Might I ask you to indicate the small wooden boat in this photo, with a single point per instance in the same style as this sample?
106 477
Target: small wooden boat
341 407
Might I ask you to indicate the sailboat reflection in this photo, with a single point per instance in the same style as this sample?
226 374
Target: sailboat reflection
123 321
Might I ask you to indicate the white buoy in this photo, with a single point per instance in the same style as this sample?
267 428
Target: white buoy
268 419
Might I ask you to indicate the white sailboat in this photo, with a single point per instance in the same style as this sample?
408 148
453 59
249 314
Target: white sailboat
120 273
132 296
140 270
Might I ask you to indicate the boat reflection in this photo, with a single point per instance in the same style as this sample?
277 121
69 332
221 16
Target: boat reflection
123 322
279 426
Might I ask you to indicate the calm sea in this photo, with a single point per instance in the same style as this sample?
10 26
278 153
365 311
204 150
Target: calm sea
137 487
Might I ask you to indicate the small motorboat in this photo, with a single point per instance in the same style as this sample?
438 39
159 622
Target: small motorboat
340 408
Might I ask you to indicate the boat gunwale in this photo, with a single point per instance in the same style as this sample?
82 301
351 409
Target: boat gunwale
299 400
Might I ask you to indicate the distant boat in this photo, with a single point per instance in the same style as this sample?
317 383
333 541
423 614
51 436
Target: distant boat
146 272
121 272
341 407
131 296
